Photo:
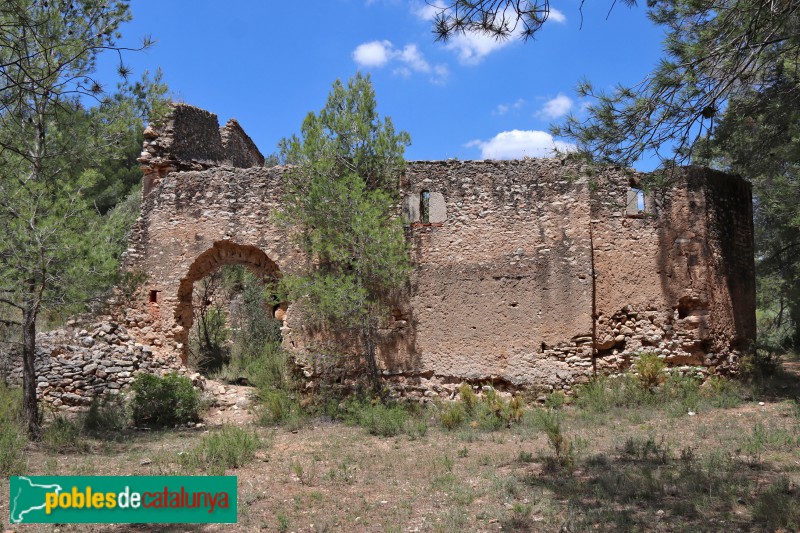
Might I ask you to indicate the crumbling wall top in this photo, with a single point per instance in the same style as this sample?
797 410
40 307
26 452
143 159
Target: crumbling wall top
190 138
240 150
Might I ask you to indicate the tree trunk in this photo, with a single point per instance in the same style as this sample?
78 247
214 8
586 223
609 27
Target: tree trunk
30 408
794 316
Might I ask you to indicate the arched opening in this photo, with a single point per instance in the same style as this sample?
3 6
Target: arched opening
221 254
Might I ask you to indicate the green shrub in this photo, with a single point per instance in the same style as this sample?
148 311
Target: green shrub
563 448
381 420
777 508
62 434
468 398
231 447
12 434
650 369
106 416
555 400
723 393
453 415
163 402
280 407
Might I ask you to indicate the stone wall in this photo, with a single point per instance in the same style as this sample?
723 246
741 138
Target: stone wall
87 360
527 274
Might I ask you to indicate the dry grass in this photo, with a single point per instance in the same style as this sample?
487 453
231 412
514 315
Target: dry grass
631 469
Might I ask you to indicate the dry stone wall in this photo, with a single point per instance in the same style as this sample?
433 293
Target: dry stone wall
87 360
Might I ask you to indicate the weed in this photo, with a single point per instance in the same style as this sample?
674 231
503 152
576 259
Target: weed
650 370
416 428
777 507
646 449
468 398
463 452
562 447
283 523
306 476
525 457
280 407
519 517
12 436
453 416
63 434
555 400
231 447
447 464
381 420
723 393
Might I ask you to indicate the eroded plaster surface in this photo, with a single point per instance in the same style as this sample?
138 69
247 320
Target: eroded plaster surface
529 273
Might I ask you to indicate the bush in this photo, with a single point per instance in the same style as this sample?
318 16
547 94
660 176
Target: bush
468 398
280 407
12 434
650 369
453 415
564 450
106 416
382 420
164 402
62 435
776 507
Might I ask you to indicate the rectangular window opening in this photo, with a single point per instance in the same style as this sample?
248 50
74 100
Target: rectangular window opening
425 207
154 296
635 204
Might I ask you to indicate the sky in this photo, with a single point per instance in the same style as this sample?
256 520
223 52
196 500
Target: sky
268 64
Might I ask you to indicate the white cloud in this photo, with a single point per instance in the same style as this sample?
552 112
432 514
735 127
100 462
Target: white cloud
502 109
410 59
426 11
373 54
440 74
557 16
471 47
516 144
555 108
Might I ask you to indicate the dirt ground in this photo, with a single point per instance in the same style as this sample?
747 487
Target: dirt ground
633 469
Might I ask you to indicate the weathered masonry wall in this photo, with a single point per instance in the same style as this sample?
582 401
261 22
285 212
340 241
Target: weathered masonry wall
532 273
502 279
528 273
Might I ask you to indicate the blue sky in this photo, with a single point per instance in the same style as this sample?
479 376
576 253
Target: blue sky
268 64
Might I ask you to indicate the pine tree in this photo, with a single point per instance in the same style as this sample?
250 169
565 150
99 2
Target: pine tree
48 254
341 196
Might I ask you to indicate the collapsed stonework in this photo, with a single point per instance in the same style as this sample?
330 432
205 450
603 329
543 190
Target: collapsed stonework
527 274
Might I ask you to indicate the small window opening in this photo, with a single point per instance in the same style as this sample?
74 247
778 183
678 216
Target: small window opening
544 346
154 296
425 207
639 199
635 201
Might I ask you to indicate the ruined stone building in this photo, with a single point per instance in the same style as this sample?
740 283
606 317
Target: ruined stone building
526 273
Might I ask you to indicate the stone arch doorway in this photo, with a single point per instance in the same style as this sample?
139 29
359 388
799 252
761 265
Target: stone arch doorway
220 254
